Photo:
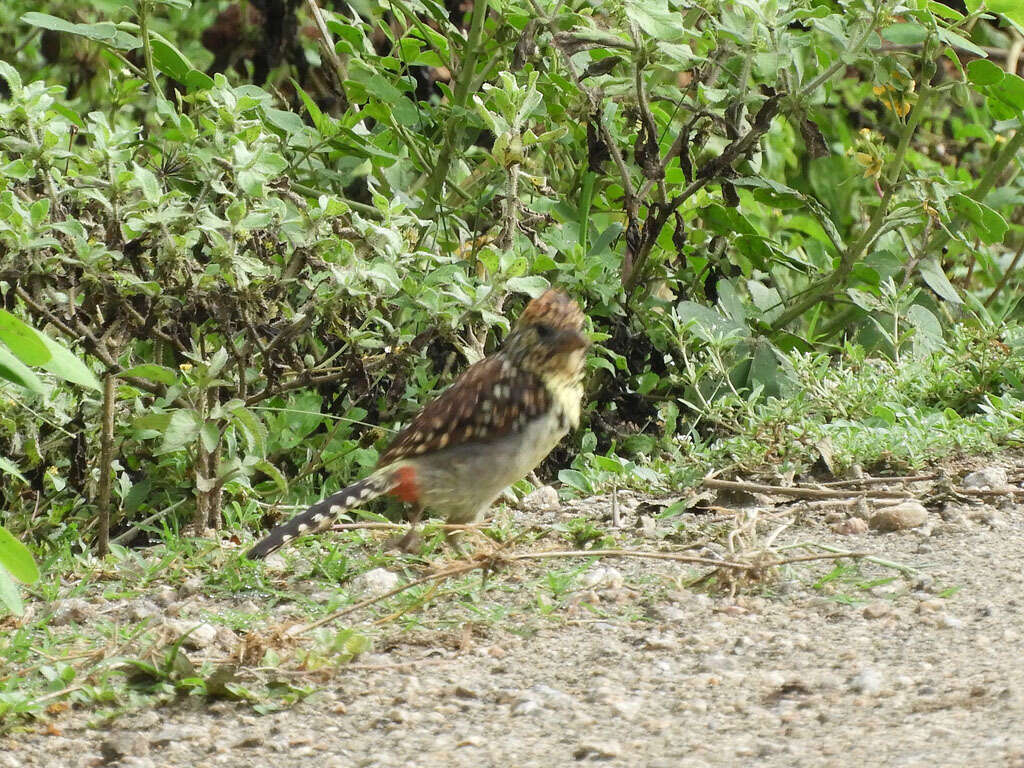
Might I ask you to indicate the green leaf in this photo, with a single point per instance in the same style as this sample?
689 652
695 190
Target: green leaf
11 468
152 372
10 74
254 429
656 19
23 340
152 421
273 473
647 382
958 41
9 595
209 434
12 369
704 322
64 364
217 363
905 33
988 225
138 493
932 274
983 72
15 557
148 183
1010 90
575 479
943 11
170 60
1011 9
928 335
198 81
102 32
533 286
182 430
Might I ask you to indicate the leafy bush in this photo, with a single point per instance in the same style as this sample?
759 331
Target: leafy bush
271 246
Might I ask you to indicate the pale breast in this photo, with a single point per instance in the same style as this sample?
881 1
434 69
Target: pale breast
460 483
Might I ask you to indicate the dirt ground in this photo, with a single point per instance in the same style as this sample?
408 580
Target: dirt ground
631 668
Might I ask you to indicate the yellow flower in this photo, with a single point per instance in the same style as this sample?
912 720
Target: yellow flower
185 367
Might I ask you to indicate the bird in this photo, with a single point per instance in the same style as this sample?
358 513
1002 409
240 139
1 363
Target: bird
495 423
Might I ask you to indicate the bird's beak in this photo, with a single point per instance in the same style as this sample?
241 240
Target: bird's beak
568 341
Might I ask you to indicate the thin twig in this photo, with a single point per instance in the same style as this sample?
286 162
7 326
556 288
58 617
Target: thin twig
989 492
139 525
106 464
881 480
797 492
1010 270
58 694
846 553
327 44
453 571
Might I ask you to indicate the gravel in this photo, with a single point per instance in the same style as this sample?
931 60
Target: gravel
924 670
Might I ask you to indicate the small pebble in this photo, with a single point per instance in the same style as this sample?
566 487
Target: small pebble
900 517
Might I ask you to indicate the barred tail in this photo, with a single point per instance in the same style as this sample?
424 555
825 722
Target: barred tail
320 516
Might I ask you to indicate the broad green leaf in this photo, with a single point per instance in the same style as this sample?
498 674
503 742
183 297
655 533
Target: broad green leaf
12 369
102 32
254 429
532 286
984 72
147 183
655 18
943 11
11 468
23 340
730 301
10 74
9 594
182 430
645 383
928 332
273 473
170 60
932 274
152 372
704 322
15 557
217 363
152 421
1011 9
905 33
575 479
64 364
988 224
1010 90
952 38
136 495
210 436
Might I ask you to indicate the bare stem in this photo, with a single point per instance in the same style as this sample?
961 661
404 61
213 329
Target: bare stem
106 460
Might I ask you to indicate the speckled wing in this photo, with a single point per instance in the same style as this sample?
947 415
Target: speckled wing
491 399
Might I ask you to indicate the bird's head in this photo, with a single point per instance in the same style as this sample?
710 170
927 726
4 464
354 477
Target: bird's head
548 339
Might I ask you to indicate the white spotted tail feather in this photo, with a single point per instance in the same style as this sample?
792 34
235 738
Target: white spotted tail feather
321 515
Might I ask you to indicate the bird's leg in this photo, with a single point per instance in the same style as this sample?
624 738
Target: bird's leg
410 542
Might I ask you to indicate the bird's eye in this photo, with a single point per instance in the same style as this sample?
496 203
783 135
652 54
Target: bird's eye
545 332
